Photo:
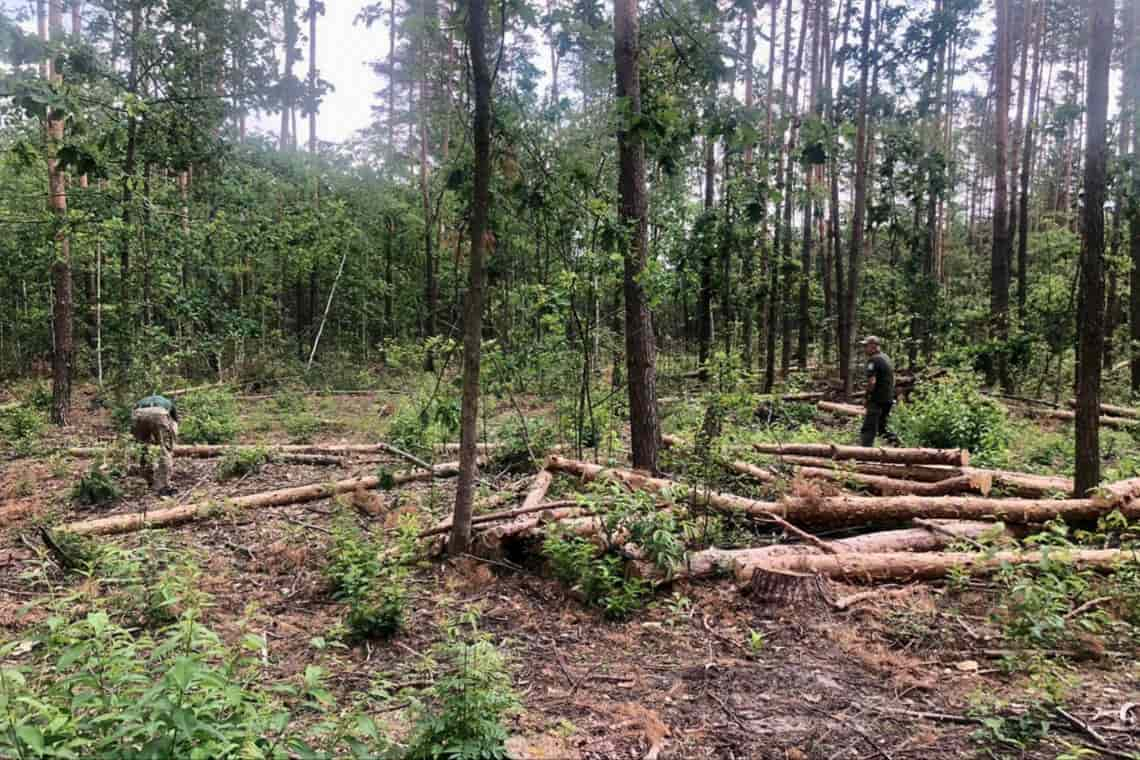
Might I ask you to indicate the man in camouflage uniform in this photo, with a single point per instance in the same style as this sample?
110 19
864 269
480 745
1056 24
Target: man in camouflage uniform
880 394
154 420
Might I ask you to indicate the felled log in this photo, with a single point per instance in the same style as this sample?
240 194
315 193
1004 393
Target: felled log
926 473
219 450
490 542
538 489
752 471
957 457
1008 482
710 562
843 511
843 410
979 482
1117 423
1113 411
163 518
871 567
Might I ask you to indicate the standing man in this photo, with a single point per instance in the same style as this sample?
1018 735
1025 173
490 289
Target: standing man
154 420
880 394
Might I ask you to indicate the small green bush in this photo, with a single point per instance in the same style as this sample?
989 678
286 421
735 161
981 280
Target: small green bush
421 422
370 578
21 428
460 716
952 413
97 486
598 576
243 461
208 416
303 427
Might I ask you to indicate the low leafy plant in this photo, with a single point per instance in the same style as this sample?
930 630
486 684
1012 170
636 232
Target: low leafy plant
21 428
241 462
208 416
599 577
952 413
97 486
303 427
421 422
371 578
460 716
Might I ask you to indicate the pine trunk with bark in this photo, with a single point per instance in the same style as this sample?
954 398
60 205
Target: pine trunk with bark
62 339
999 253
473 305
1090 316
640 350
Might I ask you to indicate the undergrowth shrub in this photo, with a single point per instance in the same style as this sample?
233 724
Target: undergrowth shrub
598 576
21 428
460 716
208 416
421 422
244 461
952 413
98 486
303 427
371 577
93 689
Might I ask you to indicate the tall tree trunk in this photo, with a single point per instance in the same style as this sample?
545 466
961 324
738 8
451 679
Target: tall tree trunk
473 305
777 295
1016 146
704 297
803 318
792 275
999 254
431 287
314 9
842 329
125 317
639 342
1132 90
772 260
61 268
1027 164
289 9
1091 316
859 213
748 259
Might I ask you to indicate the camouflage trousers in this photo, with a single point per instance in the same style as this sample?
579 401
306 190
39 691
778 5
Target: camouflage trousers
154 426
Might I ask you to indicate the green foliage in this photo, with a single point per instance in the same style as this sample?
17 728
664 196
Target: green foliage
21 427
242 461
98 486
460 716
208 416
92 689
421 422
952 413
371 577
599 577
303 427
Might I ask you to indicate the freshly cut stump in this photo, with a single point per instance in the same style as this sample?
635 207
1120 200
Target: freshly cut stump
785 587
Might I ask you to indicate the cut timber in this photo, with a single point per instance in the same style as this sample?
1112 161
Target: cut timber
1113 411
164 518
752 471
846 511
921 565
955 457
452 448
211 451
538 489
310 459
1008 482
843 410
490 543
711 562
979 482
784 587
1116 423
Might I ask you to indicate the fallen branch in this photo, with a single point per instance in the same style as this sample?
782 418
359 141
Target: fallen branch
873 567
842 511
711 562
843 410
957 457
508 514
163 518
220 450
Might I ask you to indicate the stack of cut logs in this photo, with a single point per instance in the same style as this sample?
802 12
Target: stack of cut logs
926 501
